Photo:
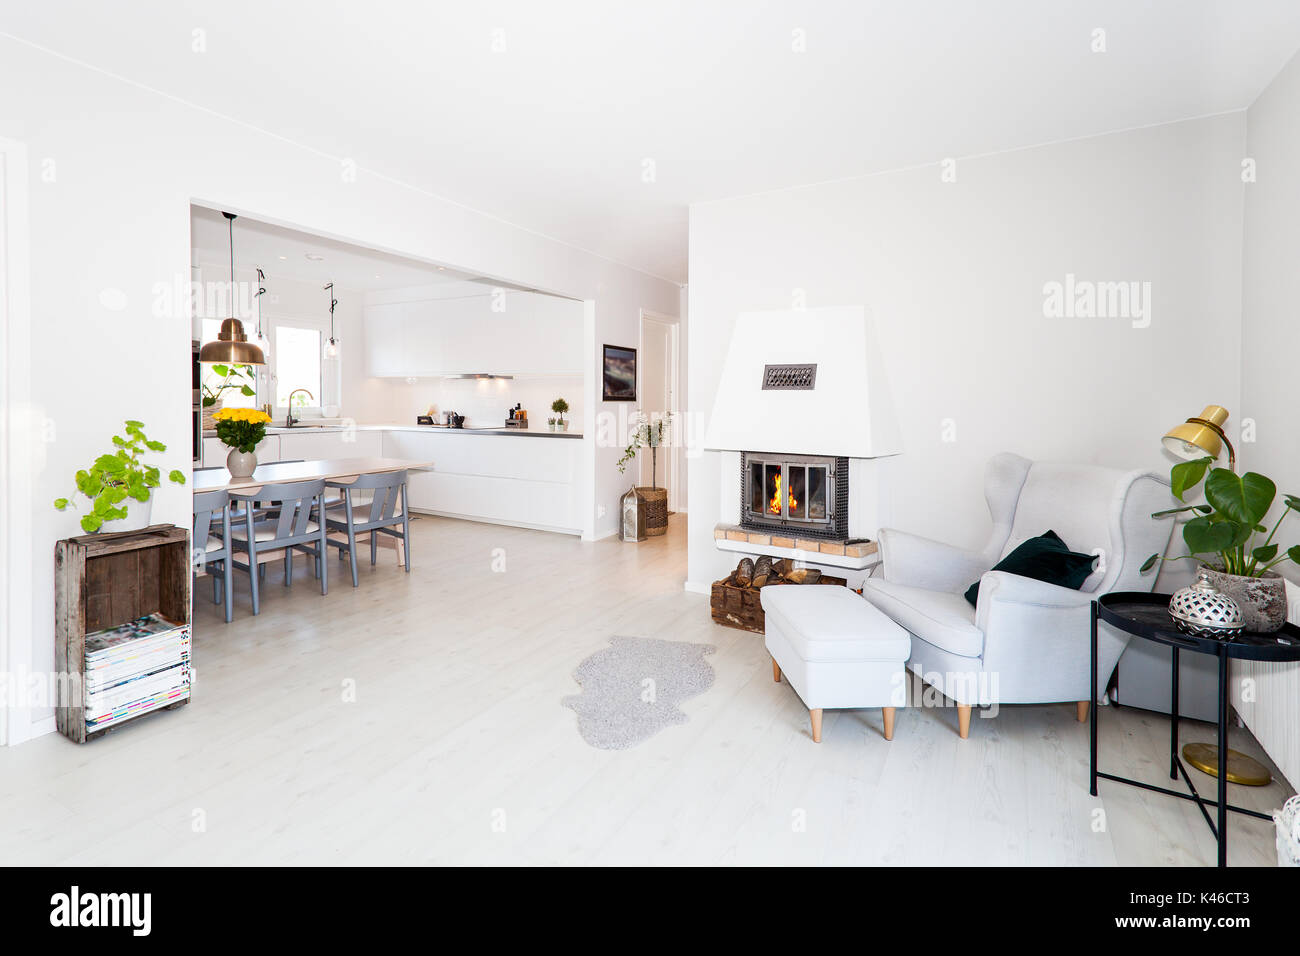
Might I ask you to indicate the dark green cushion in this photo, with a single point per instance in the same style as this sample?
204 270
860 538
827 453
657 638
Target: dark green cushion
1045 558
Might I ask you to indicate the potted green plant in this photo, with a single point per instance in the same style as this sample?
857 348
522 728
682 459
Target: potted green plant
650 433
120 485
241 430
1223 535
550 423
231 376
560 406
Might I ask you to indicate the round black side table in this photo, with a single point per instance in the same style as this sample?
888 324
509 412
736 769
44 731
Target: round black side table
1147 616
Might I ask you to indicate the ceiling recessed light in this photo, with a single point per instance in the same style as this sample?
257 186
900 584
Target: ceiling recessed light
441 268
315 258
378 277
284 257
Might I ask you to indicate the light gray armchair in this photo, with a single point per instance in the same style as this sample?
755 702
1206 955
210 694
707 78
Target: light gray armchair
1026 642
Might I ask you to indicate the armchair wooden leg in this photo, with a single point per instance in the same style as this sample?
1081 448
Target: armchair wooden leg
816 716
1081 710
889 723
776 671
963 720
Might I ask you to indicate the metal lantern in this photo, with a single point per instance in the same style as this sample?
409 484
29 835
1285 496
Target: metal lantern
1203 610
633 516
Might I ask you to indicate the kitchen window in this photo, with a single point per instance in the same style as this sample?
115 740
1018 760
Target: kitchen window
297 358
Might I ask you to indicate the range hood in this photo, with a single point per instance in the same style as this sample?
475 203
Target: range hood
808 381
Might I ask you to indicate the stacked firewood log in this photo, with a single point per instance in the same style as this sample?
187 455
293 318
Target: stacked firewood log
759 573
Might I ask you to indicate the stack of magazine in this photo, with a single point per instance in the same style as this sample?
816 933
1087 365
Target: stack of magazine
135 668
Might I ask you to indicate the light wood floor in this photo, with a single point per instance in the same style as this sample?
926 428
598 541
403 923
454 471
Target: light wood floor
457 750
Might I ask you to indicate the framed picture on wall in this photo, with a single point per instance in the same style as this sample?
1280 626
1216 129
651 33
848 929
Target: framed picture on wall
619 374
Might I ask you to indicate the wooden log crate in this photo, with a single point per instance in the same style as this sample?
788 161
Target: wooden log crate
734 606
104 581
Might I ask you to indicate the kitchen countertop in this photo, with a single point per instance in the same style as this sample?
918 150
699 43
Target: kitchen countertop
307 429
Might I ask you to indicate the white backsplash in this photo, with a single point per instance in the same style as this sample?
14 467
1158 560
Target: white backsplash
485 401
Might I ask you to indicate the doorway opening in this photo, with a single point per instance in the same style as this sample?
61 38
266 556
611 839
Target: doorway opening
659 370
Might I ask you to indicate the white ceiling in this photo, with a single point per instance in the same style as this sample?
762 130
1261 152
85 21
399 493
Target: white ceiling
553 132
282 253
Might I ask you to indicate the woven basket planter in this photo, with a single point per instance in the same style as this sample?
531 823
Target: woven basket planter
656 510
209 424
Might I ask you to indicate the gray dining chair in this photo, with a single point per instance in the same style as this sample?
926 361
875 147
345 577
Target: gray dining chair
290 526
371 504
211 544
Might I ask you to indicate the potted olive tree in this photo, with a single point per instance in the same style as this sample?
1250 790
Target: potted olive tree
650 432
560 406
120 485
1224 535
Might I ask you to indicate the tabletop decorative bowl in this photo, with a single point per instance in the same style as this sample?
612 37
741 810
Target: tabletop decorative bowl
1203 610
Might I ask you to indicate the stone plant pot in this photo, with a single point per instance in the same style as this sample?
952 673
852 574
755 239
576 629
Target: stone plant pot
241 464
1262 600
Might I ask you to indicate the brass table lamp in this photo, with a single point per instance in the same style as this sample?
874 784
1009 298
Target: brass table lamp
1196 438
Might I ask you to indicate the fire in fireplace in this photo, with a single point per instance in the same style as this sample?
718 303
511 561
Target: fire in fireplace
804 495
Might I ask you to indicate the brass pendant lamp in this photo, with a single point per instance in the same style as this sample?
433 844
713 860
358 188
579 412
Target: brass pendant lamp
232 346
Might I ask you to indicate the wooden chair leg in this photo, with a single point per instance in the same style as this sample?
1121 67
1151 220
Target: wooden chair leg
776 671
1081 710
963 720
816 716
889 723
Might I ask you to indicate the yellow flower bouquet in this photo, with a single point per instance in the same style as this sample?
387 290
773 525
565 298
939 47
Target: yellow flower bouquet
241 428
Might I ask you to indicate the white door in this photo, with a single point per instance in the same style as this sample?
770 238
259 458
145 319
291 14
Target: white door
658 373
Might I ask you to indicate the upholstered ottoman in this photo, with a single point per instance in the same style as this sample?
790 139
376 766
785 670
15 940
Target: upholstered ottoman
836 650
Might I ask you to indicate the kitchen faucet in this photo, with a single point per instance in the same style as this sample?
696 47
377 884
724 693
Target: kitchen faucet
289 420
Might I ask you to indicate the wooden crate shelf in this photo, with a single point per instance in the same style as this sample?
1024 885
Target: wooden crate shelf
104 581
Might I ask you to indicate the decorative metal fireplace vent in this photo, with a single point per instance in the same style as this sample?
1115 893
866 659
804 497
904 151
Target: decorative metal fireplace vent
799 377
804 496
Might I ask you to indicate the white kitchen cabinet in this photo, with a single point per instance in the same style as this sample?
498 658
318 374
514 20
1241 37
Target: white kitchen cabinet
505 332
311 444
509 479
386 340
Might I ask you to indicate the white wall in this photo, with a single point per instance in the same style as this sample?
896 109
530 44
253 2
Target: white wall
1271 291
954 274
113 171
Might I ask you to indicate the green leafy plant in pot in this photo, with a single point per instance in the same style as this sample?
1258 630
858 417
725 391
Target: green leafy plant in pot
238 377
116 480
1224 535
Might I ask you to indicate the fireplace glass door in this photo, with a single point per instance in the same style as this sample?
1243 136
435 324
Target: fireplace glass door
790 490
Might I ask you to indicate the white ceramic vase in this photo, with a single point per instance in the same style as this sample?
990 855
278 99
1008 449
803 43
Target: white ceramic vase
241 464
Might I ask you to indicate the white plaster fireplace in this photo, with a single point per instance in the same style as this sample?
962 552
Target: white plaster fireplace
805 420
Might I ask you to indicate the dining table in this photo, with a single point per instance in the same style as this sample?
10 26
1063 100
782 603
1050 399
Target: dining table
275 472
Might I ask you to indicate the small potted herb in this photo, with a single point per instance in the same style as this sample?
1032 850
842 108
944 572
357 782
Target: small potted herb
119 485
560 406
550 423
